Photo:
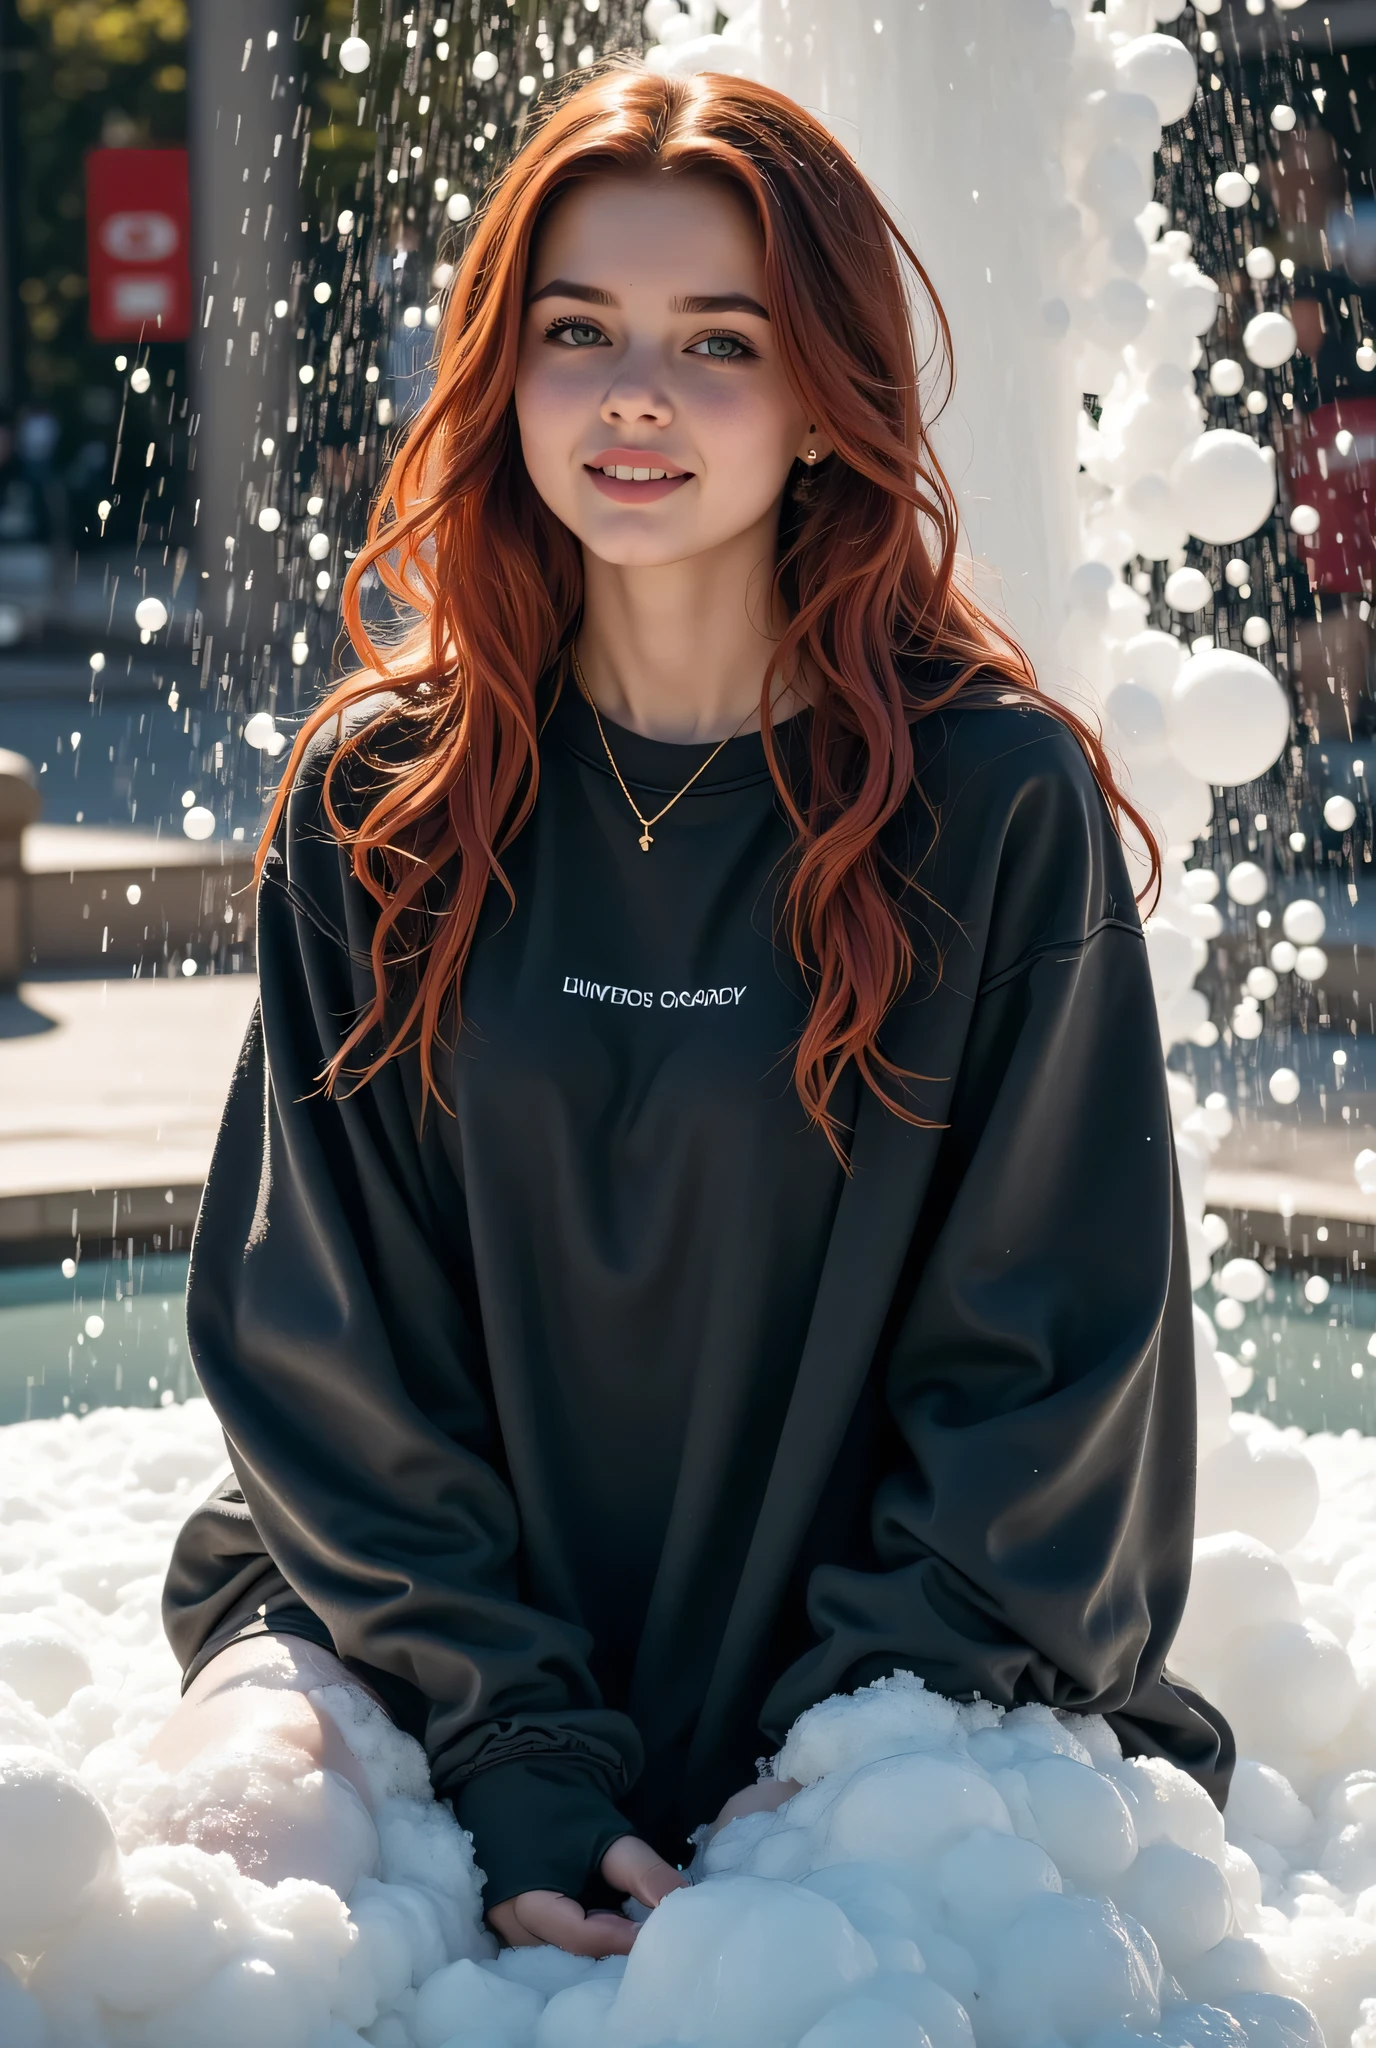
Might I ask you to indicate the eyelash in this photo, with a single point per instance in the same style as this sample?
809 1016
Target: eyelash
724 334
570 321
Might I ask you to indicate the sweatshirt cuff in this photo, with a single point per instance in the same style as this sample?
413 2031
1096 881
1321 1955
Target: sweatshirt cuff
538 1824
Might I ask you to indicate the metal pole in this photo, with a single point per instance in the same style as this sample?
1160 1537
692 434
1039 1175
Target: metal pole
244 125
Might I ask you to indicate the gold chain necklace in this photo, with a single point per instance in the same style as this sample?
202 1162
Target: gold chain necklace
646 838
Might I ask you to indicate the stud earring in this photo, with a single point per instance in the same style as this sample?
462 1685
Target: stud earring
812 454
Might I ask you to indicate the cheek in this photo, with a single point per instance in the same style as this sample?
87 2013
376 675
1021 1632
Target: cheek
550 412
747 430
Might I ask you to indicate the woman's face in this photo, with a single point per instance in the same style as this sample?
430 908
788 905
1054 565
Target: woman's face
655 417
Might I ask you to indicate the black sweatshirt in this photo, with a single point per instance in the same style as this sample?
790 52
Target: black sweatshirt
606 1424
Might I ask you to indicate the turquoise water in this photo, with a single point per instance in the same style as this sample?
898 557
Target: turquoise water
1305 1353
110 1333
113 1333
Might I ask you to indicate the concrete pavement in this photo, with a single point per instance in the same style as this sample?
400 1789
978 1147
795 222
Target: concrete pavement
110 1098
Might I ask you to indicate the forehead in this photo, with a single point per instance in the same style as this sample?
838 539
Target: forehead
684 235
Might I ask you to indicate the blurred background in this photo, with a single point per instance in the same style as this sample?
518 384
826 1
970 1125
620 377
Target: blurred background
225 237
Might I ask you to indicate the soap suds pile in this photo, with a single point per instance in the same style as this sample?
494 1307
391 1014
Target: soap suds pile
948 1874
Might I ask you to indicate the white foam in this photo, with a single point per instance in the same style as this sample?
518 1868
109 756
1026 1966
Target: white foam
948 1873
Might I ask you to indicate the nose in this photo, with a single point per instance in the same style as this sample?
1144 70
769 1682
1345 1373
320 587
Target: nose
636 399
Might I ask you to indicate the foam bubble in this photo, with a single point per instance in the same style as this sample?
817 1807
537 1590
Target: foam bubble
59 1849
940 1860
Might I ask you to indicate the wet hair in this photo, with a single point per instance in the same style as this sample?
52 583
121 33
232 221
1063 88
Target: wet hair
490 582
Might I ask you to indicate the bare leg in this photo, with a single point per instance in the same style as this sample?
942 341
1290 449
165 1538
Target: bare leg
255 1690
250 1703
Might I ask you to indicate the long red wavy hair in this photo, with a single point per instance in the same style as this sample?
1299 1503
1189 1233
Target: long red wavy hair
492 581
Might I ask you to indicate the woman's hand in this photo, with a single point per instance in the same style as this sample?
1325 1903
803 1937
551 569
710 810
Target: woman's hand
630 1865
763 1797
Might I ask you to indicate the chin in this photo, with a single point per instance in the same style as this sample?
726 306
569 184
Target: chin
644 550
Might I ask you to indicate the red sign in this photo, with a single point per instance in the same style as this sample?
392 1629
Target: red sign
1331 465
138 235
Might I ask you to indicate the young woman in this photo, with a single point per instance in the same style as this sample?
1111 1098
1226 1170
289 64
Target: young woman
694 1227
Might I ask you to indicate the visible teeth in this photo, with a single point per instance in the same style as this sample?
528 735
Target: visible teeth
625 475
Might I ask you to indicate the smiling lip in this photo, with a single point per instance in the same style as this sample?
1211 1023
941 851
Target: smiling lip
637 476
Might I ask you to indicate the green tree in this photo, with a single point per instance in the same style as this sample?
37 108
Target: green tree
89 73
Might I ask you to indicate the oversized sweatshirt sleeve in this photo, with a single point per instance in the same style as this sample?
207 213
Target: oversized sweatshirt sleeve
1030 1532
334 1327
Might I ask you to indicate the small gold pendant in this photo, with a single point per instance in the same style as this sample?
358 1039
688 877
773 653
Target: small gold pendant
645 842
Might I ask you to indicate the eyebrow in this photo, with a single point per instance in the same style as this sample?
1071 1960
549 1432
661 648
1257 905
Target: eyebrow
594 295
563 288
726 302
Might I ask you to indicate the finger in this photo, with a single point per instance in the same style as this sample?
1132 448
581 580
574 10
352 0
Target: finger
503 1921
633 1866
730 1809
508 1917
520 1919
766 1796
607 1934
659 1881
538 1918
564 1924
